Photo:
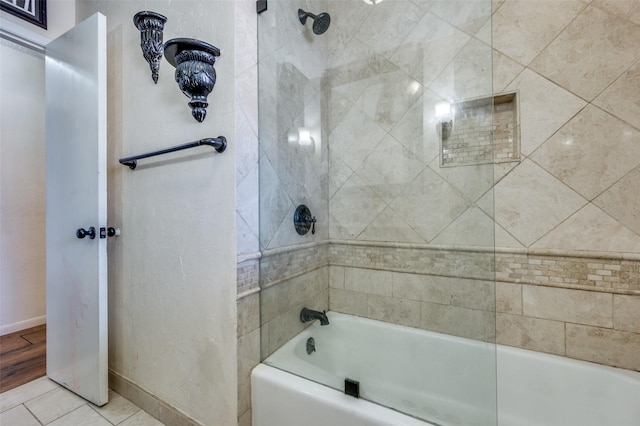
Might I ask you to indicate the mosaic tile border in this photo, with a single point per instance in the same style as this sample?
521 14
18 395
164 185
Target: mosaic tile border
606 272
595 274
282 264
248 274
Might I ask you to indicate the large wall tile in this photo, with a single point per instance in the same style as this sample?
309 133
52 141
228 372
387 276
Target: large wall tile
621 98
469 75
625 9
529 202
591 152
348 302
421 54
287 324
355 137
591 53
390 226
248 357
604 346
248 314
508 298
474 294
417 129
504 239
591 229
462 322
577 306
388 25
355 205
387 97
274 201
356 68
473 180
626 313
505 70
544 108
336 277
530 333
396 311
390 168
368 281
469 15
472 228
424 288
439 204
618 202
522 29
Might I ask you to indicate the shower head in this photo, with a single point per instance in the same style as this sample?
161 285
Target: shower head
321 22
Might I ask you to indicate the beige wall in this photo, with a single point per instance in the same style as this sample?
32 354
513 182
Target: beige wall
22 188
172 314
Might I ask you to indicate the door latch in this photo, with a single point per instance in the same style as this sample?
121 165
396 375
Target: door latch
109 232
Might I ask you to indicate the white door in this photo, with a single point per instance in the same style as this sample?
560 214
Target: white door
76 96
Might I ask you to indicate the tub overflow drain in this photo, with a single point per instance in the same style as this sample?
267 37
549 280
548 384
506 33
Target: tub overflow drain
311 345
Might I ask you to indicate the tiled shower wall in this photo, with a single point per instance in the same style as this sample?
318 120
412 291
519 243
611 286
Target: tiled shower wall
566 218
566 229
576 67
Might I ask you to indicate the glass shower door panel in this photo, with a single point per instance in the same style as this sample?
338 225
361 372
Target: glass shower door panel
404 104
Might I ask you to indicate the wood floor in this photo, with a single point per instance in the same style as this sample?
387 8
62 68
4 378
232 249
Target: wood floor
23 357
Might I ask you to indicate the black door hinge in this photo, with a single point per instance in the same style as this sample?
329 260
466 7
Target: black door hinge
261 6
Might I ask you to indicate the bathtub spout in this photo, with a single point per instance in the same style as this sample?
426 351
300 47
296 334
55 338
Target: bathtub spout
310 315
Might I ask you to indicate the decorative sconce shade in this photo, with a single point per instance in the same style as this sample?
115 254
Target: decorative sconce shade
151 26
195 75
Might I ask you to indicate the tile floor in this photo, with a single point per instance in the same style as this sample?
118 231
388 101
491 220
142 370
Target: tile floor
44 402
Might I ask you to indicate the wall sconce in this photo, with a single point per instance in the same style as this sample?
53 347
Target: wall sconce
151 26
195 75
301 136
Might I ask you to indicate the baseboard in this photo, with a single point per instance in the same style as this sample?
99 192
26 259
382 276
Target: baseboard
152 404
22 325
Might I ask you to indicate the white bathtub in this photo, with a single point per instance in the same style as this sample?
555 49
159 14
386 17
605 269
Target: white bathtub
448 380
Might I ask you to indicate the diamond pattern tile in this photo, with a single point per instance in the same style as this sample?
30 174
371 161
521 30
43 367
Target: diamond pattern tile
355 205
421 54
598 232
472 228
417 129
468 75
429 204
544 108
594 50
622 202
355 138
388 25
522 29
388 96
529 202
622 98
390 226
390 168
557 55
591 152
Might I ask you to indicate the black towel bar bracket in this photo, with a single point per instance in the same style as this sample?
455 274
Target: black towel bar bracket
219 144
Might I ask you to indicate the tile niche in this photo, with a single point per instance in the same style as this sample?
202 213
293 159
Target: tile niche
480 131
